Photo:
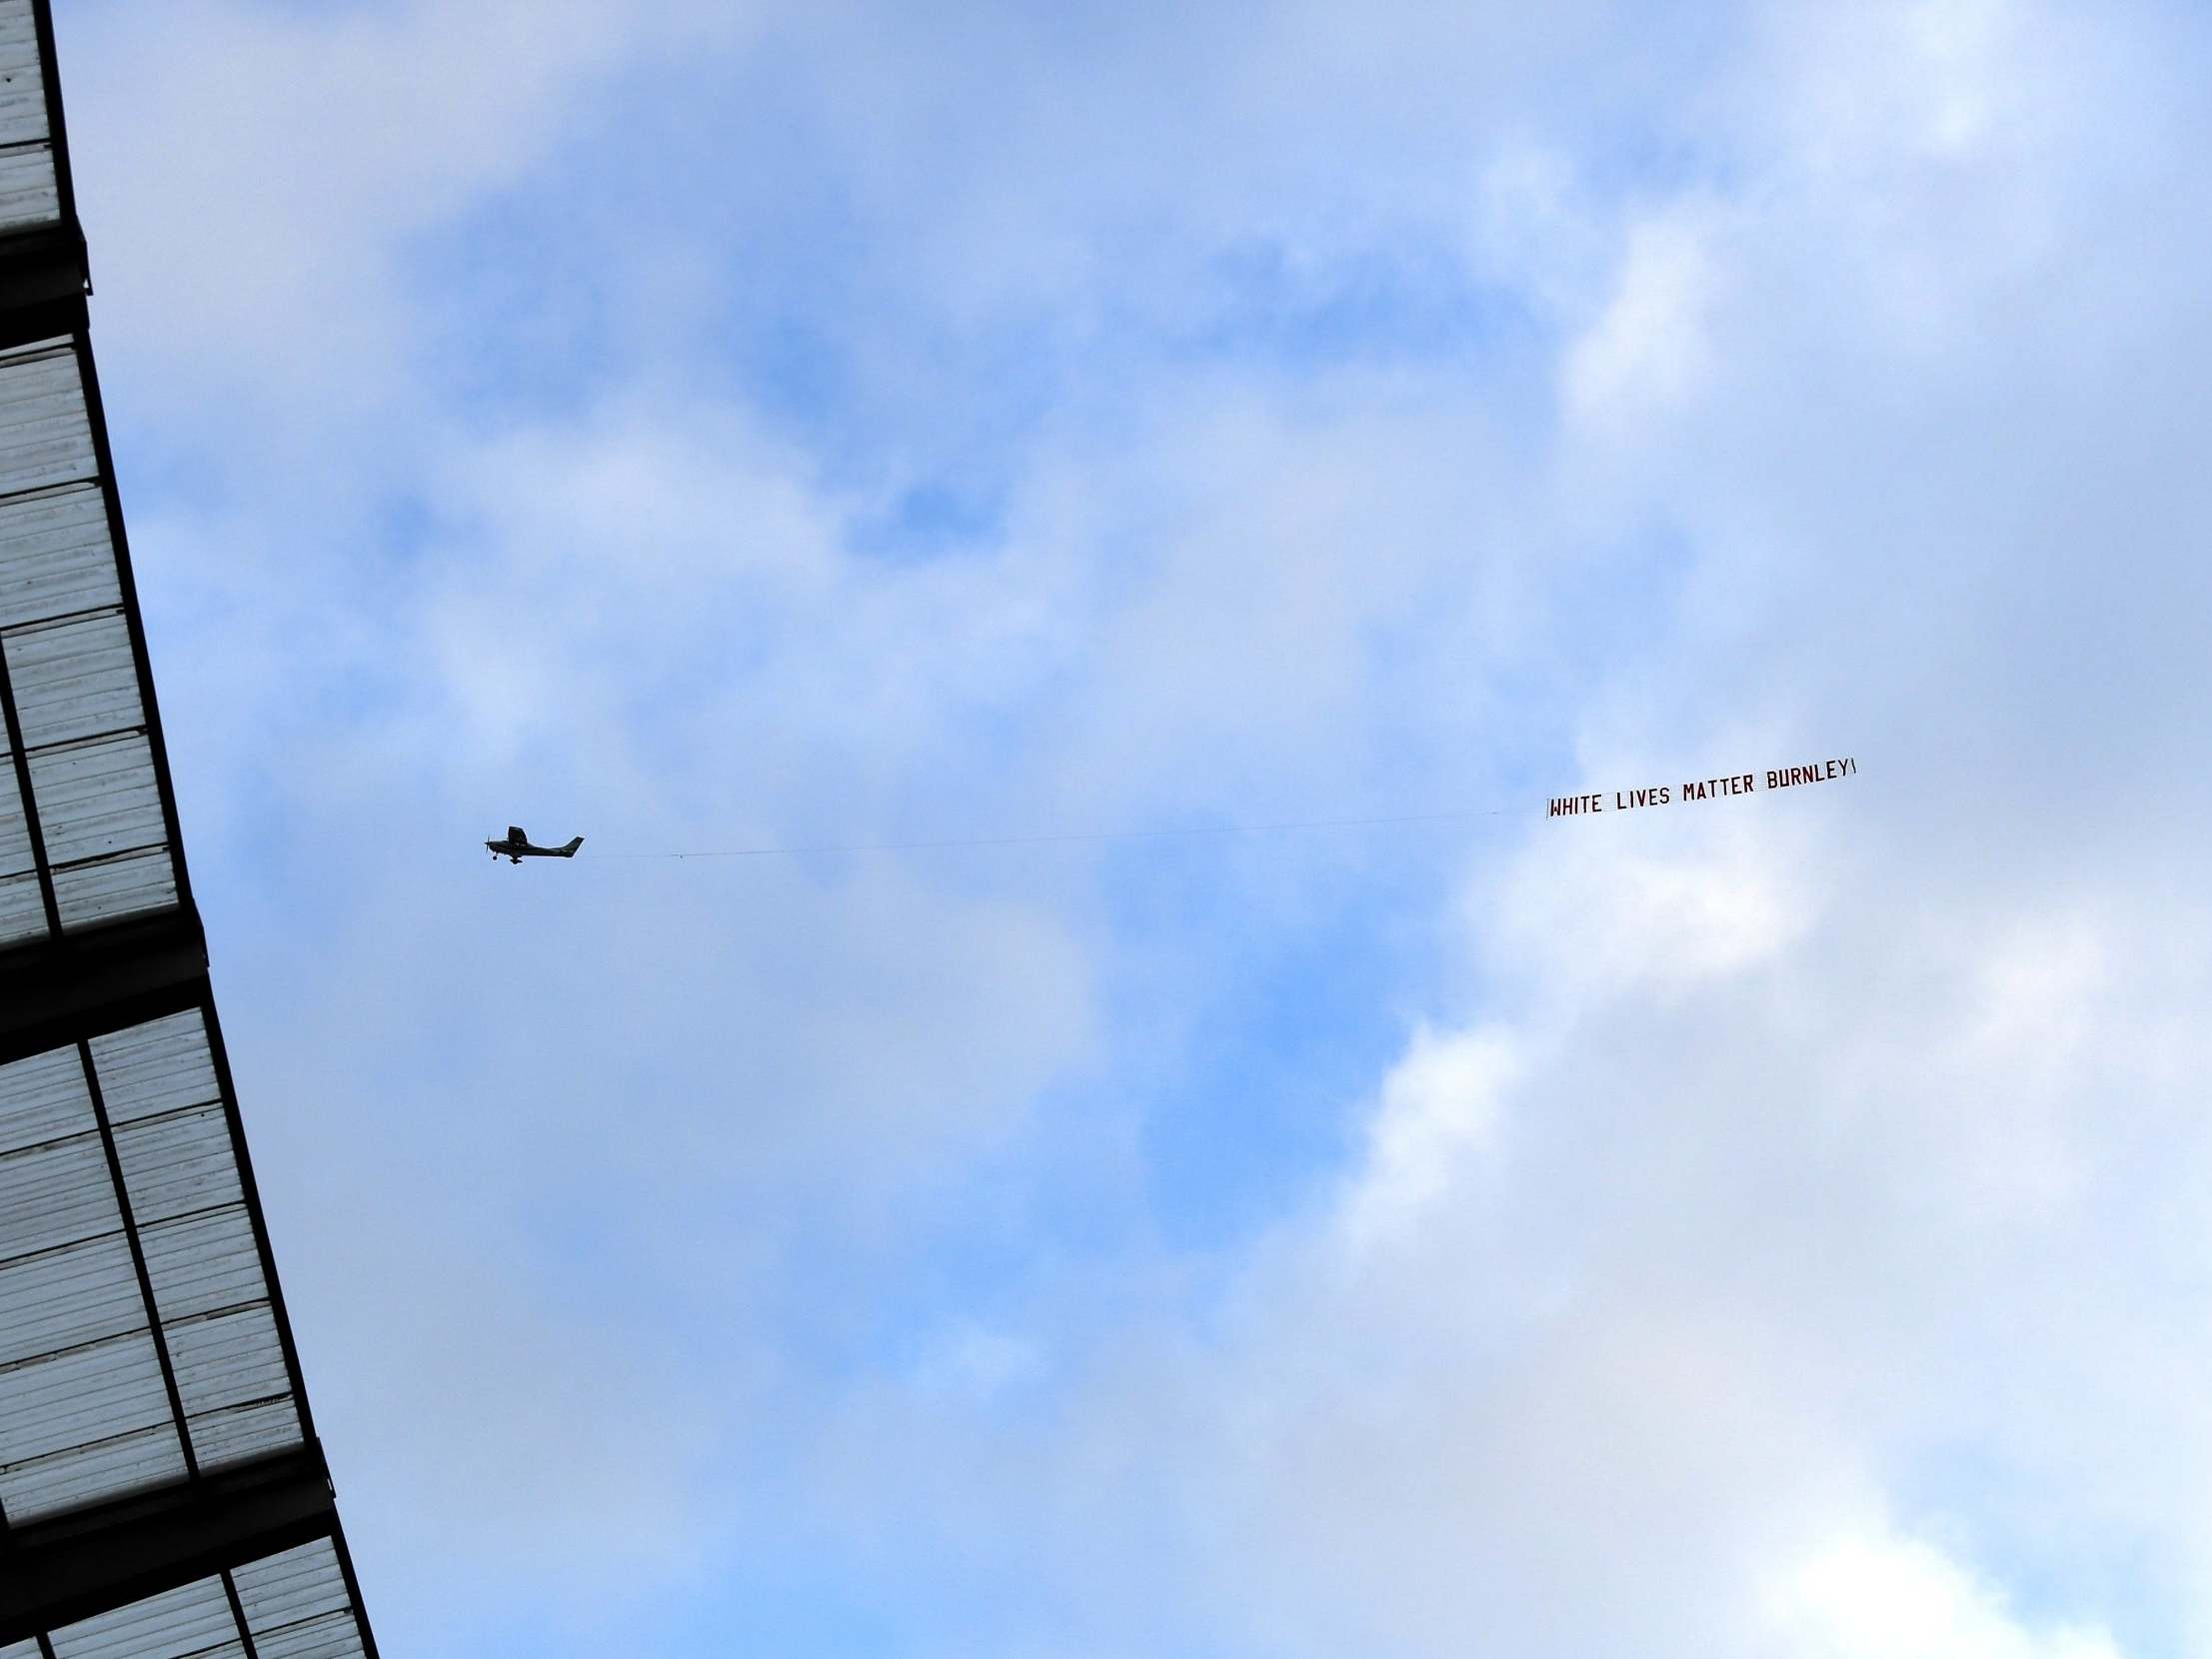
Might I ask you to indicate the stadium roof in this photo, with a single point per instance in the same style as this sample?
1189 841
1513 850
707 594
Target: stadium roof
162 1492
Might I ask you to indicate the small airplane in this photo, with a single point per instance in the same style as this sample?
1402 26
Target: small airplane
517 846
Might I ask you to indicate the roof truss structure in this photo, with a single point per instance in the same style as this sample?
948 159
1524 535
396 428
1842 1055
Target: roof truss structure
162 1492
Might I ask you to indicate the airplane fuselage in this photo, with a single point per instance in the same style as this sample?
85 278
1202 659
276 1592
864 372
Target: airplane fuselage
517 846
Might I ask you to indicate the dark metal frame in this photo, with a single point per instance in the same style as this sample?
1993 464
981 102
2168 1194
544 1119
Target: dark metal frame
237 1613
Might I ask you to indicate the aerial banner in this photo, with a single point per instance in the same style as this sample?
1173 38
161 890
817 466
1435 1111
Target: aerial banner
1702 789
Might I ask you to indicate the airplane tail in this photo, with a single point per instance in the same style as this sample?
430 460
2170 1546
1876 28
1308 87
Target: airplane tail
569 852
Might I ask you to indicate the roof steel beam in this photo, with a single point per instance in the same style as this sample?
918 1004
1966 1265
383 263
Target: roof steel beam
99 979
57 1571
43 283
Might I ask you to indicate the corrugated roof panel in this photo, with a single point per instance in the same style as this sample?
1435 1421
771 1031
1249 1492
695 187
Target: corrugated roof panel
148 1069
55 1194
178 1165
22 909
45 436
74 678
203 1262
96 797
117 887
55 556
241 1431
20 1650
30 194
231 1378
64 1298
194 1618
299 1584
227 1360
333 1636
43 1098
88 1475
84 1425
22 80
80 1395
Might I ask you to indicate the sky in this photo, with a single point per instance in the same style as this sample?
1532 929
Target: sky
1778 1227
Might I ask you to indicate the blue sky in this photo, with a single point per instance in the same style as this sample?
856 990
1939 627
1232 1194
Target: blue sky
1768 1228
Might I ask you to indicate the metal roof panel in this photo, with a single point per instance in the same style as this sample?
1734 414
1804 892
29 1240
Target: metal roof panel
55 1194
30 194
74 678
22 81
22 910
138 885
227 1360
237 1432
194 1618
80 1475
83 1425
155 1068
63 1298
203 1263
56 557
334 1636
96 797
178 1165
299 1584
43 1098
45 434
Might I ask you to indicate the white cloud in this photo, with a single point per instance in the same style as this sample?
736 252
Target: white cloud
1884 1597
1648 353
252 178
1439 1106
1604 911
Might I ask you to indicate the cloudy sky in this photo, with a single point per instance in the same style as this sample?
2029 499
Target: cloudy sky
1772 1228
